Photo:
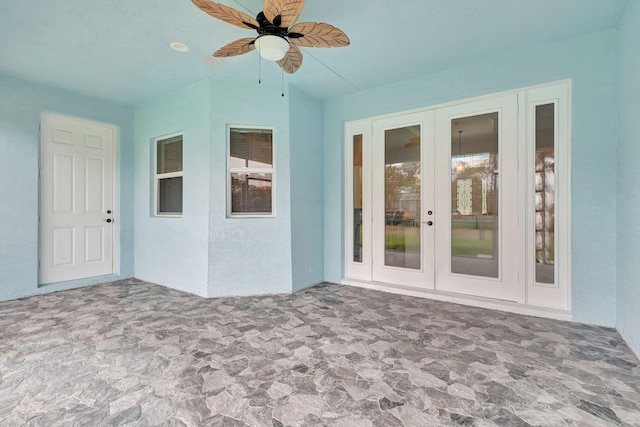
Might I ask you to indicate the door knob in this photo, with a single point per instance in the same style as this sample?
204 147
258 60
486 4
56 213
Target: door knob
429 223
108 220
109 211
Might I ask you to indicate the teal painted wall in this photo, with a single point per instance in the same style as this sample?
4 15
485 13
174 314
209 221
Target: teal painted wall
591 62
21 103
307 219
628 188
174 251
249 256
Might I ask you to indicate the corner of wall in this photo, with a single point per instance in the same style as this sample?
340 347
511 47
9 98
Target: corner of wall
306 121
628 193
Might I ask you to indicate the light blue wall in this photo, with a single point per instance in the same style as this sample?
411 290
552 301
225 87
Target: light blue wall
21 103
174 251
591 62
628 180
249 256
307 220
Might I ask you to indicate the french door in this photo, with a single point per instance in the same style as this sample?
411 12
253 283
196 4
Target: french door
476 224
443 179
403 199
76 199
443 210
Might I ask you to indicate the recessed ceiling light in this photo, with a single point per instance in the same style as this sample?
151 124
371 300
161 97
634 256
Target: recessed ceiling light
212 61
179 47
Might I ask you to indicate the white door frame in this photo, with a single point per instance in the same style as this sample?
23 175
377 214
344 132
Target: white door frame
46 119
529 297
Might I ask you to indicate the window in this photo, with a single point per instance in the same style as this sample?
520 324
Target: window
168 176
544 204
250 172
357 198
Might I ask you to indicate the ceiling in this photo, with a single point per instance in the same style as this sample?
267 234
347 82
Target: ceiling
119 49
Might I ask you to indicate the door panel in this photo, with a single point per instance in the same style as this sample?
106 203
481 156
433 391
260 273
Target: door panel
403 182
476 198
76 199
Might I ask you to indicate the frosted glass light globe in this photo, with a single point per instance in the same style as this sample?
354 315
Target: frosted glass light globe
272 48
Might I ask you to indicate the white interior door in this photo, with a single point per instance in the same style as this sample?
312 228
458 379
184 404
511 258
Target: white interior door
476 221
76 199
402 200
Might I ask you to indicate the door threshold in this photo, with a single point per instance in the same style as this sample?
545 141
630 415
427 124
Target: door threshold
493 304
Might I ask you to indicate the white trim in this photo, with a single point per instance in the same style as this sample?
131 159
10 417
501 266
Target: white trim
462 101
231 170
489 303
521 240
158 176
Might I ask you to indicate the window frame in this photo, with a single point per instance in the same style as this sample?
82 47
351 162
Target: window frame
158 176
248 170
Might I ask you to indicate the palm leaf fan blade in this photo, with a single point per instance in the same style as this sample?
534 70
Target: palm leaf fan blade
288 11
317 34
226 14
292 60
235 48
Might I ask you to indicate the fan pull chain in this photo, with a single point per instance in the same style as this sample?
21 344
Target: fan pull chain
259 70
282 81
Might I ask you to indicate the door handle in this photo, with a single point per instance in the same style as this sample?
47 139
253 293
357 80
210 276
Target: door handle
108 220
429 223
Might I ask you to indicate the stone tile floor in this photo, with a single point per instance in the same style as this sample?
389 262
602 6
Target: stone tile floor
134 353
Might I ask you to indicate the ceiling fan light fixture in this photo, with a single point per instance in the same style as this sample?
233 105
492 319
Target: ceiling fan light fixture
272 48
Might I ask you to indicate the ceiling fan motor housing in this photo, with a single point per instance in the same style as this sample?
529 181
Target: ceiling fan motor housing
268 28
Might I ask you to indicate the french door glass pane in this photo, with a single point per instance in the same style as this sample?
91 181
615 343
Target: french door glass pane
402 197
474 195
545 193
357 198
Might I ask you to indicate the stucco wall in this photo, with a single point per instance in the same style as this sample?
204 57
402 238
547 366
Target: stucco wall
21 103
249 256
174 251
591 63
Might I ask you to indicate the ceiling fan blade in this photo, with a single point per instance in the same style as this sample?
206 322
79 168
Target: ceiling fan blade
226 14
317 34
287 10
238 47
292 60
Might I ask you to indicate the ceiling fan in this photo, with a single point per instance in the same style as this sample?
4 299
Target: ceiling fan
278 38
